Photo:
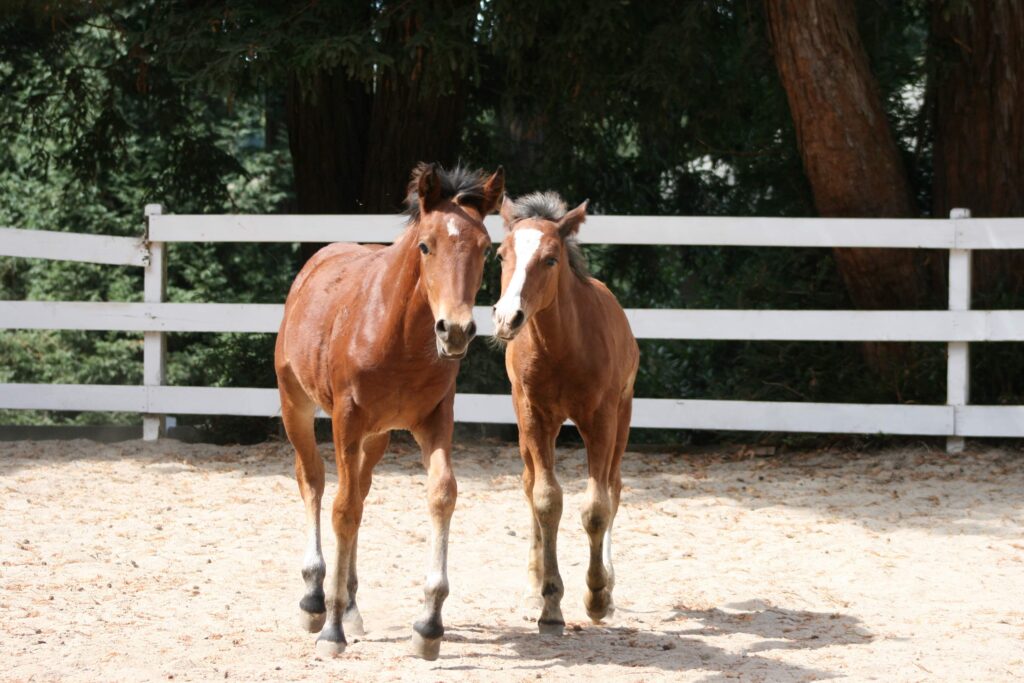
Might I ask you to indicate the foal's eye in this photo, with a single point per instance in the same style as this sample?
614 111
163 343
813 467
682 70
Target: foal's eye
549 262
424 248
499 256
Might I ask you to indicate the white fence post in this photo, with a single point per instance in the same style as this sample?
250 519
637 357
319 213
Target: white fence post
958 366
155 343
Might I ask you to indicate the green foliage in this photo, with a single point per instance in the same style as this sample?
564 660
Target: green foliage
240 47
687 116
642 107
88 147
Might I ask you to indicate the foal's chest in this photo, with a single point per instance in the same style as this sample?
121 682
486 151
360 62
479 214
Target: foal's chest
399 396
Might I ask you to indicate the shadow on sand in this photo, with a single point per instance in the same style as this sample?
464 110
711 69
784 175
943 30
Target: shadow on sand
679 649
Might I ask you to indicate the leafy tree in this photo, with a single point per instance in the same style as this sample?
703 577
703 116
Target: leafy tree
645 108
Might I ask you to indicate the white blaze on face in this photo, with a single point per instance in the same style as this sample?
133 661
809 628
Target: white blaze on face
453 229
526 242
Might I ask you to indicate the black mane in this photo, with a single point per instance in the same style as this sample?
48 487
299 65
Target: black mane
459 184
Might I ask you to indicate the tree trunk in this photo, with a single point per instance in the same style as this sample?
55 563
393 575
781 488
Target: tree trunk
327 124
849 155
407 128
353 145
414 118
848 151
979 125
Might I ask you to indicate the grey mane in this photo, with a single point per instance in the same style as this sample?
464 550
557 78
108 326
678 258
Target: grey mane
550 206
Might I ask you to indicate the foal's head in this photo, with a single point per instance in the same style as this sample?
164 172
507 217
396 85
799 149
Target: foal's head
539 247
446 210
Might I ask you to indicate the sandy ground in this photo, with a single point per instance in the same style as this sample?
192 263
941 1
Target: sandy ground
181 562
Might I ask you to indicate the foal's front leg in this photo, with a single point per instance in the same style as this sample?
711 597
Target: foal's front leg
346 517
537 434
532 598
434 436
599 437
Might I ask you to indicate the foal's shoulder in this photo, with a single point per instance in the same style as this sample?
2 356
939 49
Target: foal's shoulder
344 250
333 261
342 255
602 293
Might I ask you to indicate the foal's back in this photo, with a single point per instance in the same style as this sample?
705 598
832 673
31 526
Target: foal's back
609 353
326 304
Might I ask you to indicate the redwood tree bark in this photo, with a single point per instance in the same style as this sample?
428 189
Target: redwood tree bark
414 117
354 144
327 125
848 151
407 127
979 124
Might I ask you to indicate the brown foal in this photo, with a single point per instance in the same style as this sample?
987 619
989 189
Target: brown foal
570 354
373 336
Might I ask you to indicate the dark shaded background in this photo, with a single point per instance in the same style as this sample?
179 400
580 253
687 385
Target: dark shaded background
729 107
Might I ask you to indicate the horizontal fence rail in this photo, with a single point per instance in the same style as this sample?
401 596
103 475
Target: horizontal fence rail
668 323
957 326
852 418
71 246
977 233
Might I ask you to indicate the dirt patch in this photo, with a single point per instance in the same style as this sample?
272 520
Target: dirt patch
181 562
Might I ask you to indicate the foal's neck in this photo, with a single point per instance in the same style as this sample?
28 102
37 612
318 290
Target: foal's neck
408 294
557 327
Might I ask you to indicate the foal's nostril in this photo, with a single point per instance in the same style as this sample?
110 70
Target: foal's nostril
441 327
471 329
518 319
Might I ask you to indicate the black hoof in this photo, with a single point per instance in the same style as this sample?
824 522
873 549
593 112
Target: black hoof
313 603
331 641
327 648
551 627
431 629
597 604
426 648
312 622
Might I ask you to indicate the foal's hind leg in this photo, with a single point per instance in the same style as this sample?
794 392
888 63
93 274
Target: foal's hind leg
297 414
615 492
599 436
373 450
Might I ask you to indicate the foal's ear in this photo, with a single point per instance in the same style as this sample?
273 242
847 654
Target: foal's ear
427 184
571 222
494 190
507 205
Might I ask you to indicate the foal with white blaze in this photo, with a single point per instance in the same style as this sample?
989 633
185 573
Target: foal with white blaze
570 354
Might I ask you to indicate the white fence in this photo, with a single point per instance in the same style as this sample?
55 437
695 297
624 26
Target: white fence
155 318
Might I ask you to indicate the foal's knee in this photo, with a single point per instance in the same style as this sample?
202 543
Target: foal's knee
547 500
595 520
596 513
442 492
